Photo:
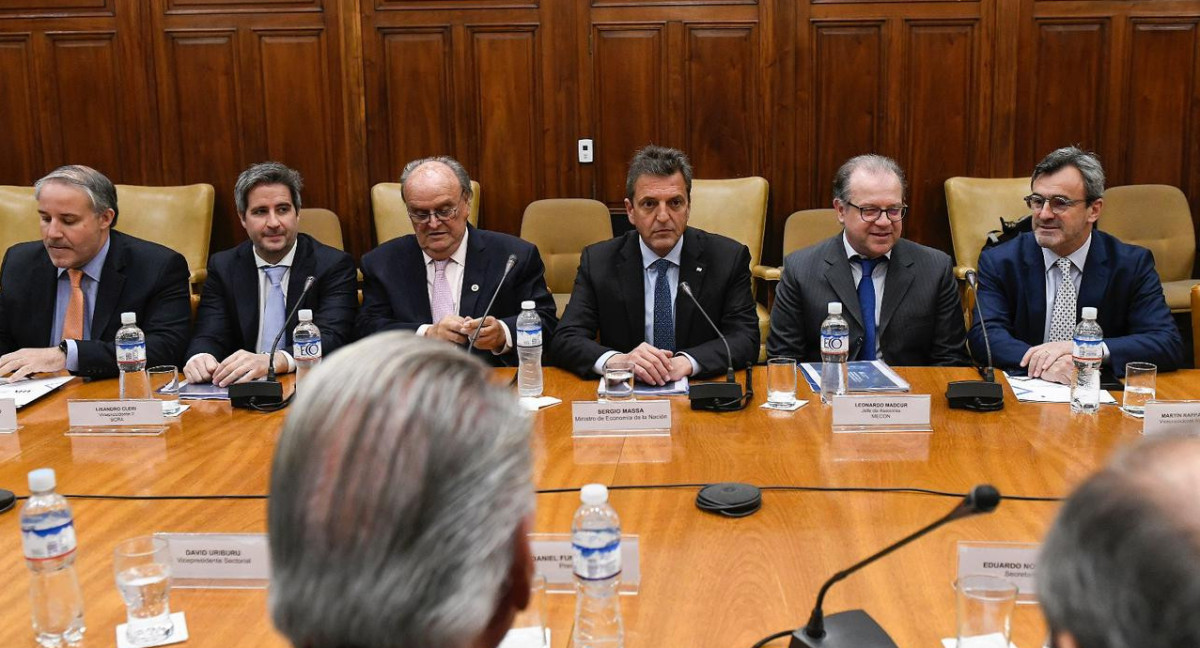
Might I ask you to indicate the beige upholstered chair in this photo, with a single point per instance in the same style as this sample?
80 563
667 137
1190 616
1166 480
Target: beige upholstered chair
322 225
802 229
19 221
177 217
975 207
391 216
1156 217
736 208
561 228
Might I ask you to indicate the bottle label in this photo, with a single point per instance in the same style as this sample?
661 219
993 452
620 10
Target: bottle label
130 353
597 563
529 337
44 544
835 344
307 350
1088 350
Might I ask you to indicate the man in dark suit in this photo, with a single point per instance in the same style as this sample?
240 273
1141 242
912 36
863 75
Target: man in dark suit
62 298
1031 313
906 313
627 302
251 288
438 281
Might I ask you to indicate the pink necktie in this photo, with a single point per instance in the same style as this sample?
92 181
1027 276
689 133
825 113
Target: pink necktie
443 300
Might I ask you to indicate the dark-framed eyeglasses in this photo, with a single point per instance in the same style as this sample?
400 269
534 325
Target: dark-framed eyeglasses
871 213
1058 204
444 214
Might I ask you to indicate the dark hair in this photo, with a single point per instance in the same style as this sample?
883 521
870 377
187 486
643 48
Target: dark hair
266 173
871 162
658 161
1087 163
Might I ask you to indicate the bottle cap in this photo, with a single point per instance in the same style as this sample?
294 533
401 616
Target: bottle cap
594 494
129 318
41 480
528 304
1089 312
835 308
305 314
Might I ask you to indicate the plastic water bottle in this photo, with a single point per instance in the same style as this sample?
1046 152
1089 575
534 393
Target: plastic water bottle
835 352
529 351
131 358
1088 354
306 345
596 545
48 535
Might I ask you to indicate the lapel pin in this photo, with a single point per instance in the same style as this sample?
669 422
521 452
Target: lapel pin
474 287
699 269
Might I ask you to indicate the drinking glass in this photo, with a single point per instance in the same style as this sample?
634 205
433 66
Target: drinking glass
985 606
164 384
618 380
1139 387
781 381
143 569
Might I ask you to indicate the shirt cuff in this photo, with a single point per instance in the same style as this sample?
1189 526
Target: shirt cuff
695 365
598 366
291 363
508 345
422 328
72 356
1104 347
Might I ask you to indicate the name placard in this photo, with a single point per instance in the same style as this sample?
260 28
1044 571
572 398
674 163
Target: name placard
1015 562
881 413
219 560
1172 417
621 418
552 560
116 416
8 415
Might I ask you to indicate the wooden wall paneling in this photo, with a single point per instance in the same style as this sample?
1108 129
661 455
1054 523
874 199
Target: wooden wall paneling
57 8
1158 101
22 162
780 121
723 116
1010 19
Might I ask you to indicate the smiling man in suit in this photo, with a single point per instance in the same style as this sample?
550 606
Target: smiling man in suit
438 280
62 297
898 297
627 302
251 288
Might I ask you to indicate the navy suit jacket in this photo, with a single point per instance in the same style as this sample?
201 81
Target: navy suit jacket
228 316
607 310
396 295
138 276
1118 279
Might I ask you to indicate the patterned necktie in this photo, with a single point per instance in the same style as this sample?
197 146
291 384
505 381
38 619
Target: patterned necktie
664 322
443 300
274 308
866 302
72 328
1062 323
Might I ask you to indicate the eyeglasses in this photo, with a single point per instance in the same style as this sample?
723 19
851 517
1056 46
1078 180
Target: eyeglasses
1058 204
870 213
444 214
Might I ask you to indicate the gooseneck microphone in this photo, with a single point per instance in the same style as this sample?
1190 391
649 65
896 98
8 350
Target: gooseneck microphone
267 394
987 373
508 266
984 395
716 396
856 628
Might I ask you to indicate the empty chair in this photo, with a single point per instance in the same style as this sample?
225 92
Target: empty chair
391 216
322 225
177 217
1156 217
19 221
561 228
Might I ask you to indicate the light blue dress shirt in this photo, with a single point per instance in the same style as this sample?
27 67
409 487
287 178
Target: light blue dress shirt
90 285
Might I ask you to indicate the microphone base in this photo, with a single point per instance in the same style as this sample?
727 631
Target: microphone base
255 393
715 396
850 629
976 395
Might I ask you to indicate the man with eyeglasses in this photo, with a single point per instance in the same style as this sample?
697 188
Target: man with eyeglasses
1032 288
438 280
898 297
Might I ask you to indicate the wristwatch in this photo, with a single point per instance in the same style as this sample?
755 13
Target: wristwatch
62 346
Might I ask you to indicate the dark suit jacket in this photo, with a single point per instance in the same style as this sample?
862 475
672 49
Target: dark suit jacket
138 276
609 299
396 297
228 316
1118 279
920 319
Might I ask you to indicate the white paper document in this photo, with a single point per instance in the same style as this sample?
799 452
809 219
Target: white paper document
1036 390
24 392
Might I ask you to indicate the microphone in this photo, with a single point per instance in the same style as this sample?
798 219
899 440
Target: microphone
508 266
715 396
267 392
977 395
856 628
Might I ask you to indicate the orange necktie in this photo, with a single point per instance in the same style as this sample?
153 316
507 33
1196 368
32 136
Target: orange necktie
73 321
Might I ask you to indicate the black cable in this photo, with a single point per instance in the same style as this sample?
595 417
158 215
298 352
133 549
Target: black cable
766 640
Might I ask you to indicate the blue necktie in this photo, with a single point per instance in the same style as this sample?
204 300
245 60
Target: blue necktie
274 308
866 302
664 324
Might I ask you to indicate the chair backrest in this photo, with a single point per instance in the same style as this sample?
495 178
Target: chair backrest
808 227
1155 217
19 220
975 206
561 228
391 216
322 225
177 217
736 208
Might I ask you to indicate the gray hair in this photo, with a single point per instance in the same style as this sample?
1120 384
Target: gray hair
658 161
460 172
266 173
99 189
1087 163
1120 568
397 487
872 162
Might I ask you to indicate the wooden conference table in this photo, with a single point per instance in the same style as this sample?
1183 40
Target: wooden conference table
706 580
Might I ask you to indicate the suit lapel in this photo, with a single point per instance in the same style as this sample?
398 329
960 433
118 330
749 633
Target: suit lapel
112 281
304 265
837 273
479 277
1035 282
899 280
1095 276
630 282
44 295
692 270
245 292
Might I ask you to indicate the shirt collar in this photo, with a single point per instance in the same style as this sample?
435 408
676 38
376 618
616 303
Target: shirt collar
850 253
459 256
93 268
286 261
1078 257
650 256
